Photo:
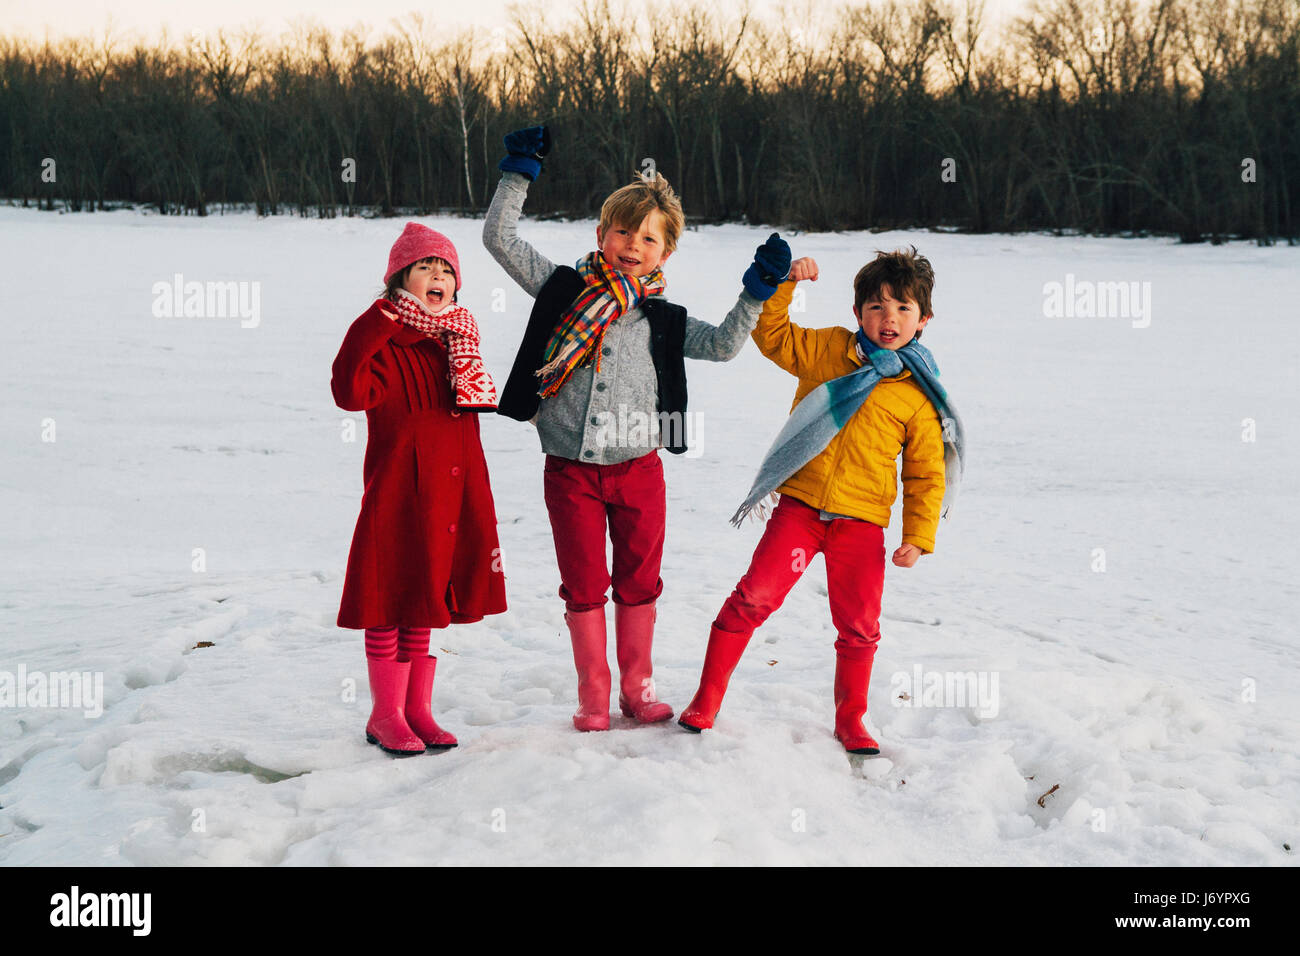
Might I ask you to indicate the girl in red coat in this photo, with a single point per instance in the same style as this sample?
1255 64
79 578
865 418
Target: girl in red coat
425 551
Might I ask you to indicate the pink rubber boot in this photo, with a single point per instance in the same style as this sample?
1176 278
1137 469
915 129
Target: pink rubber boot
418 713
387 727
634 628
587 632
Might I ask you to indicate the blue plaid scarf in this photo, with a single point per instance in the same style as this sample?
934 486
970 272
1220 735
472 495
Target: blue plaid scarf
821 414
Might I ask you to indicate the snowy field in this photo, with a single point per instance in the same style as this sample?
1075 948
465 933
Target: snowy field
1121 562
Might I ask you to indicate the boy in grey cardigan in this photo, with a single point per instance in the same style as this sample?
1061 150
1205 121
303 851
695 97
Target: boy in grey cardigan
604 350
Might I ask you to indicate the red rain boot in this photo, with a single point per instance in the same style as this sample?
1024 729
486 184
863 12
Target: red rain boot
417 712
587 632
720 659
387 727
634 629
851 681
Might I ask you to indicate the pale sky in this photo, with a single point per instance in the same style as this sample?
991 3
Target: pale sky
146 17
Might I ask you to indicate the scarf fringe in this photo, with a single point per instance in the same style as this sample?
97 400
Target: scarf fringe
760 511
553 368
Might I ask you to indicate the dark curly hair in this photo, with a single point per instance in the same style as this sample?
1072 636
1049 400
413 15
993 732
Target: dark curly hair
905 273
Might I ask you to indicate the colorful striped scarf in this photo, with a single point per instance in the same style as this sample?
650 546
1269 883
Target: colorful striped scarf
821 414
577 336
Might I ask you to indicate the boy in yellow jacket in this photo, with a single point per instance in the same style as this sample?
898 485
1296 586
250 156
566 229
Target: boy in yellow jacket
863 399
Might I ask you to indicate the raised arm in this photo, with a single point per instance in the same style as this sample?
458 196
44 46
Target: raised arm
721 343
798 350
525 150
528 267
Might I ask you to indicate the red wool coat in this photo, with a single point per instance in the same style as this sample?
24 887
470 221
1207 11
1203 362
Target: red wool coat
425 551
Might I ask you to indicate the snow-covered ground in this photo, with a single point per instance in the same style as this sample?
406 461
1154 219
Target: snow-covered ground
1122 563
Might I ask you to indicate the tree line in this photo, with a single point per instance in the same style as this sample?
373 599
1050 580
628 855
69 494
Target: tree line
1103 116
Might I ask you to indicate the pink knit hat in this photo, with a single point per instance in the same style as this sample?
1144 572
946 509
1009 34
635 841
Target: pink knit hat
420 242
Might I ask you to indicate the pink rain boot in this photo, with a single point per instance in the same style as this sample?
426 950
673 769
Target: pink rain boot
587 632
634 628
418 714
387 727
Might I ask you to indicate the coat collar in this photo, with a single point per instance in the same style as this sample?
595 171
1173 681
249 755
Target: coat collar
406 335
402 334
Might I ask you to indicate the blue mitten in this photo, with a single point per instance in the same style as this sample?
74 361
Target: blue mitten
526 148
770 267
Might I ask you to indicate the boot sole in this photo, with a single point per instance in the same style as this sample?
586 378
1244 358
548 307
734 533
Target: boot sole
866 751
372 739
693 729
631 715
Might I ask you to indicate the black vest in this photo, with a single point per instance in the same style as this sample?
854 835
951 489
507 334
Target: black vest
519 398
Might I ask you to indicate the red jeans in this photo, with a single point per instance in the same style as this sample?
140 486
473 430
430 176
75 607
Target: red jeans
855 575
581 498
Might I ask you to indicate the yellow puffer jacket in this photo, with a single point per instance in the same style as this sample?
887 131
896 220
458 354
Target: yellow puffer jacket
857 474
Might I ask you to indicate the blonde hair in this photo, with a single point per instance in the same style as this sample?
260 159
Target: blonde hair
629 205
